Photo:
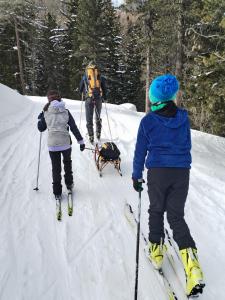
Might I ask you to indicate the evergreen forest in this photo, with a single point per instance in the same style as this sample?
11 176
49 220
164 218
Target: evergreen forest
47 44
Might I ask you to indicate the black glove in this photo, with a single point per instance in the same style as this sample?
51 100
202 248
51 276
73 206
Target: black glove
40 116
82 147
137 184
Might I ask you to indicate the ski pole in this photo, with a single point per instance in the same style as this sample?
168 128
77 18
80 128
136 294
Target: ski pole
108 121
137 247
92 149
39 156
82 100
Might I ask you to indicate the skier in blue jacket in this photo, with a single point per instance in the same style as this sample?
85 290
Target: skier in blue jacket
163 146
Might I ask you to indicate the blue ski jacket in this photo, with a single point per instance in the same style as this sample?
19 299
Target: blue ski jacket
162 142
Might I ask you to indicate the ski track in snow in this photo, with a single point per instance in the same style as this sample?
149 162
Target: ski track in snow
91 255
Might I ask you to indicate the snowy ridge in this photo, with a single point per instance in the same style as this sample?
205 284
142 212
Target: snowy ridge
91 255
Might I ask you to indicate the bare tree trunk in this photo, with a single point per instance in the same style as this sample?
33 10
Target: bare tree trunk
180 40
34 73
149 26
19 57
147 80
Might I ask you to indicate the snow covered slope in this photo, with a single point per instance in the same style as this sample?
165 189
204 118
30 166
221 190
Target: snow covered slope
91 256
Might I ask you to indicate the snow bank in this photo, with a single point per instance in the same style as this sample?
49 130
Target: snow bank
12 102
129 106
14 108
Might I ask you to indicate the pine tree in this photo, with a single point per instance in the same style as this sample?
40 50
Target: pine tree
90 31
132 83
8 56
111 59
52 59
157 38
47 75
100 41
22 17
205 66
71 42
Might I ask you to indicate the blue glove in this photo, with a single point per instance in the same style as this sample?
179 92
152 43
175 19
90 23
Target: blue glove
137 184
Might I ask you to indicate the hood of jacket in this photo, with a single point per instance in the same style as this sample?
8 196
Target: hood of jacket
56 106
176 121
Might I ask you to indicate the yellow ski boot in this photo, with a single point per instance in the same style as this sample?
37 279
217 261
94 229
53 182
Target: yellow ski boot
193 272
155 254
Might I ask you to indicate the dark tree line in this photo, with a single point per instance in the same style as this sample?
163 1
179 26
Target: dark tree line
54 48
42 48
187 38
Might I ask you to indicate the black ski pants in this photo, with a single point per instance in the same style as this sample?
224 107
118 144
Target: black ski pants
167 190
92 105
56 169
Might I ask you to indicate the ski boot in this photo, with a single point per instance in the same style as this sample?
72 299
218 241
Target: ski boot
70 199
193 272
58 199
155 254
70 187
98 135
91 139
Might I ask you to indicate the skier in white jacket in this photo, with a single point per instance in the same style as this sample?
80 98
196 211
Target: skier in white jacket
58 120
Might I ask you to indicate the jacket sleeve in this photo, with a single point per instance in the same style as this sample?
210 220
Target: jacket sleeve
104 88
189 134
82 85
42 126
74 129
139 153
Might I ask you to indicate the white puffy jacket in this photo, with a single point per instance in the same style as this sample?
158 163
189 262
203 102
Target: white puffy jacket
56 118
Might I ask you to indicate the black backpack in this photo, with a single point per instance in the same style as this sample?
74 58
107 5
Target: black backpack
109 151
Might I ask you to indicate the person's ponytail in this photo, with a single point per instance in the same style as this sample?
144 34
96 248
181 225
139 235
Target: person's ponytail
46 107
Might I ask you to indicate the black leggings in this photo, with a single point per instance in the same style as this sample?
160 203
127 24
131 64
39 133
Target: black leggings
56 169
167 190
92 106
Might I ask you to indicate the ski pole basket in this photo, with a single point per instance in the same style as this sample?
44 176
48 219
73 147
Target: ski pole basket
108 153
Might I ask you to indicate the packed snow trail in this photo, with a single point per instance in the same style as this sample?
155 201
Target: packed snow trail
91 255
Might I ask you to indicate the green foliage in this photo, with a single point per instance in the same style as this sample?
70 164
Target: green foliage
8 56
203 46
49 73
73 60
90 30
157 20
110 59
99 41
56 45
205 67
133 91
22 13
